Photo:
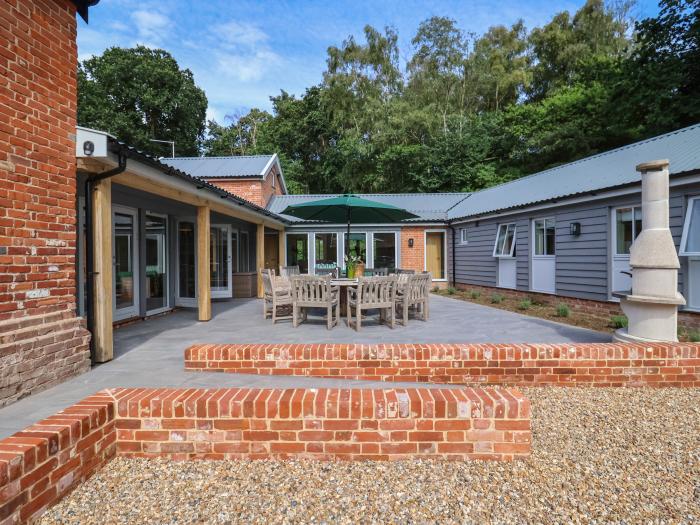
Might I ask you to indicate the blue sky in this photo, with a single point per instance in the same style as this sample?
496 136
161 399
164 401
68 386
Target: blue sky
242 52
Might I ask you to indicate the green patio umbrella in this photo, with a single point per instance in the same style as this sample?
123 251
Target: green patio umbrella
348 209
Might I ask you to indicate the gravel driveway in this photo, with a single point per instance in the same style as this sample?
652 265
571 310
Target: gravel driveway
604 455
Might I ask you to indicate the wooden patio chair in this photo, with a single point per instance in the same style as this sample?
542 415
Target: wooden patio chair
399 271
327 270
289 271
276 296
315 291
414 293
373 293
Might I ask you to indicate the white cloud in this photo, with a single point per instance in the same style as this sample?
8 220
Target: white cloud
240 34
151 26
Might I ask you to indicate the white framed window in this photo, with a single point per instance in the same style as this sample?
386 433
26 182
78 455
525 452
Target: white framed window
628 224
545 236
690 241
505 240
463 236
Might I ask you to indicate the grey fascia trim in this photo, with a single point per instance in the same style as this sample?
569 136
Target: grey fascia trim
308 225
625 189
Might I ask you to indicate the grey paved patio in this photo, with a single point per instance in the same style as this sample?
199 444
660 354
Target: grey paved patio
150 353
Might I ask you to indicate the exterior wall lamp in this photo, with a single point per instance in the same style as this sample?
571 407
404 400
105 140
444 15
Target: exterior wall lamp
575 228
410 242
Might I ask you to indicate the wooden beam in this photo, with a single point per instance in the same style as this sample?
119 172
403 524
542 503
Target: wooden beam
203 262
282 256
260 256
103 280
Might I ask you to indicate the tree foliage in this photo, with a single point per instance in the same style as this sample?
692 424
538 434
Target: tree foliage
141 94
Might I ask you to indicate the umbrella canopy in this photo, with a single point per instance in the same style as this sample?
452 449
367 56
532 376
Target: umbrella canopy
348 209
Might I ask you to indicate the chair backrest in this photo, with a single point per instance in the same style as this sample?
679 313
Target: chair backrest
419 286
267 280
399 271
311 290
288 271
379 291
371 272
327 270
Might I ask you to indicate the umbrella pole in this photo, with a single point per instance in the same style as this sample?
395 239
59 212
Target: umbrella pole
347 244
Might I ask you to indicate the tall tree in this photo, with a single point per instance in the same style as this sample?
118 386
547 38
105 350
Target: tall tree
140 94
241 137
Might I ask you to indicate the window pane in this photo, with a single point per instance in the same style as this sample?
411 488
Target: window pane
510 239
623 230
156 257
539 237
637 221
298 251
234 252
385 250
244 252
500 239
550 236
357 246
326 251
218 258
123 260
692 243
186 247
464 235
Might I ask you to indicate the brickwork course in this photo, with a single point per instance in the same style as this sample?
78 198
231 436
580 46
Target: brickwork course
583 364
38 61
44 462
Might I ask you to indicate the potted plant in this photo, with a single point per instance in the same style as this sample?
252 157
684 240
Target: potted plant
352 262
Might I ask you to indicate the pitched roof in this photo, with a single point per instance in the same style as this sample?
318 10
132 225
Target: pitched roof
603 171
243 166
430 207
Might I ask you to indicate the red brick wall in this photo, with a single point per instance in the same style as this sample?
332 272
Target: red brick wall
38 61
414 258
583 364
44 462
324 423
257 191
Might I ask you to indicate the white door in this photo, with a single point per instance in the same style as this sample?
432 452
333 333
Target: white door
186 268
690 247
504 251
543 255
125 300
626 224
694 283
220 261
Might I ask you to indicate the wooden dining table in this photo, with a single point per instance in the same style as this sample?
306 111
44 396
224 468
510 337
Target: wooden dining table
344 283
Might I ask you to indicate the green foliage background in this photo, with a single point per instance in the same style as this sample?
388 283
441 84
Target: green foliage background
464 113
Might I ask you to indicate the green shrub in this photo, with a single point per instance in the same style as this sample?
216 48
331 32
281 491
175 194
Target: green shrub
618 321
497 298
694 336
451 290
563 310
525 304
475 294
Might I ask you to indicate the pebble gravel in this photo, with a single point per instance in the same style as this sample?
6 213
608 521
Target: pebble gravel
599 456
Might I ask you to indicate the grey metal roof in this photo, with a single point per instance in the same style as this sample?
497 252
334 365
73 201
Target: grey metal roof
430 207
606 170
222 167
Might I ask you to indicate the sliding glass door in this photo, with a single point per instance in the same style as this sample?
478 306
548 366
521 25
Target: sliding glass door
186 269
156 263
125 263
220 260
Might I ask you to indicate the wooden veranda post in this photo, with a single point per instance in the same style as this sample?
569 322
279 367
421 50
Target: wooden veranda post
203 262
103 273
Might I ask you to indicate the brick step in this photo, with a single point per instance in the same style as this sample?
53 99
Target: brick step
598 364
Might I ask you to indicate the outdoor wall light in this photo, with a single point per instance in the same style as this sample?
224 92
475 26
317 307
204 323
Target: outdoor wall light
88 148
575 228
410 242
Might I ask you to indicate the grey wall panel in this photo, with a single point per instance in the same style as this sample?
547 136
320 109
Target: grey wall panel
474 261
522 253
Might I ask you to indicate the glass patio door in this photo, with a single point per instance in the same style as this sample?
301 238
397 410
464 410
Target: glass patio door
220 260
156 263
125 300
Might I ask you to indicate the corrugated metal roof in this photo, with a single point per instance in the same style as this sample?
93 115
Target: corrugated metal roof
606 170
428 206
221 167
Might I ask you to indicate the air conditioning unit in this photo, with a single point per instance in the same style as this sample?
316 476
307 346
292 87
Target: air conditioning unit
90 143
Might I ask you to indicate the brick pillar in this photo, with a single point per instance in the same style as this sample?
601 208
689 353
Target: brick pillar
42 342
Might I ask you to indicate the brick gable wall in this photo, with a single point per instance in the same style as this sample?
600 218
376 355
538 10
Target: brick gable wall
38 60
257 191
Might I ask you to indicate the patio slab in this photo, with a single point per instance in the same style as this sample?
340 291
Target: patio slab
150 353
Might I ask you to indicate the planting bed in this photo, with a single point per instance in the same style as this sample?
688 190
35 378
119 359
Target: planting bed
599 455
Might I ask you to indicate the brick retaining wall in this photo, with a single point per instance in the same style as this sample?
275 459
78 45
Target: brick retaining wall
44 462
603 364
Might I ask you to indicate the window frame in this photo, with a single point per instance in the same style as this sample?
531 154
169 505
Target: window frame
544 240
463 235
396 246
496 247
686 227
634 208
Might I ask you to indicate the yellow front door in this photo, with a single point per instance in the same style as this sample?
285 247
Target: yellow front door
435 254
271 251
